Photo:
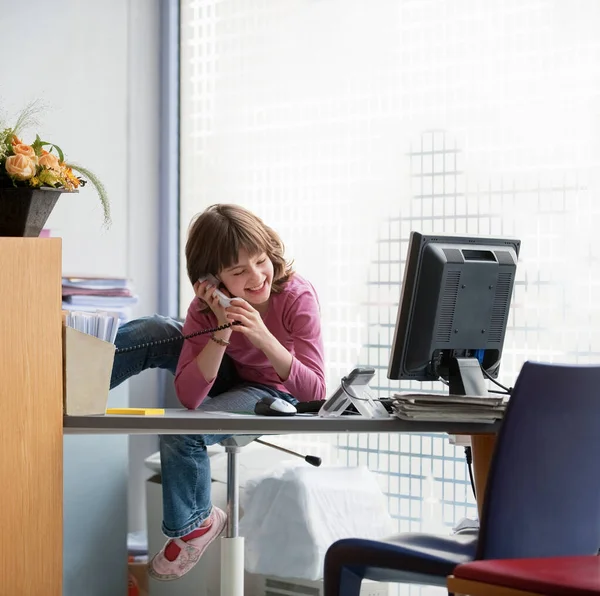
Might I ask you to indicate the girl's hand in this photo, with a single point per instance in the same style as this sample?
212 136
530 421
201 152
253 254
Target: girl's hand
205 291
251 323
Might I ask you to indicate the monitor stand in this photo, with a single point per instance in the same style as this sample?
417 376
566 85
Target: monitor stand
465 377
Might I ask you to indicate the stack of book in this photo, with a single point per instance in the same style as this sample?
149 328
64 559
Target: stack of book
90 294
448 408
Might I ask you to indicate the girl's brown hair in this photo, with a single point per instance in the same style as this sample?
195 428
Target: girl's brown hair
217 235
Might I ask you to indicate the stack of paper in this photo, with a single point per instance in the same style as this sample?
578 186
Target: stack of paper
103 325
89 294
455 408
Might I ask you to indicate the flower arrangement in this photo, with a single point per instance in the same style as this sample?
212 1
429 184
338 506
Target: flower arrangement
41 164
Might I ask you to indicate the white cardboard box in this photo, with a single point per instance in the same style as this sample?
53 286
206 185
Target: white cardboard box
87 368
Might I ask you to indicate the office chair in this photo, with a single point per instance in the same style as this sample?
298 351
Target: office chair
542 497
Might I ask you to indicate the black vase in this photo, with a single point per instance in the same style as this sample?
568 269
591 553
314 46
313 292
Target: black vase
24 211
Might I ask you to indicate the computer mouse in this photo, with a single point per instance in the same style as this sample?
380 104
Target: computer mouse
274 406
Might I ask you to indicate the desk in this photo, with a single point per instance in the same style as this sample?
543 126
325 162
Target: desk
32 424
181 421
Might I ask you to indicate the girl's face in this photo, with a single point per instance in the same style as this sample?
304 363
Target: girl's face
250 278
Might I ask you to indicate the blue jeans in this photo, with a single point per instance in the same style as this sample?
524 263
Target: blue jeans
139 331
185 465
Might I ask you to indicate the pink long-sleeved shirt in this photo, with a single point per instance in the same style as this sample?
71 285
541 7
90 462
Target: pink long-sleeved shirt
293 318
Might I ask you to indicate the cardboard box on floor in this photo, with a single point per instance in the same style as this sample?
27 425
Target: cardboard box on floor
138 579
87 368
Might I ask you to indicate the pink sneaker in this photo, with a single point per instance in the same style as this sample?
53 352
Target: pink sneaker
164 570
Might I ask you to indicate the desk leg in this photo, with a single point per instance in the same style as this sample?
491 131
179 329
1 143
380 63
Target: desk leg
483 448
232 545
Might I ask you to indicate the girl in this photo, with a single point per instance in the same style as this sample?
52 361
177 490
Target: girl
274 349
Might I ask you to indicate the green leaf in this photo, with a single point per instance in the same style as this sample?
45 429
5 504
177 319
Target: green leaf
37 145
61 156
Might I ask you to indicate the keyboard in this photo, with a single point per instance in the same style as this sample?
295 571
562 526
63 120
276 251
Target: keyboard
310 407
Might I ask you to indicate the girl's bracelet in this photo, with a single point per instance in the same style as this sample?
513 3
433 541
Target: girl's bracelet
221 342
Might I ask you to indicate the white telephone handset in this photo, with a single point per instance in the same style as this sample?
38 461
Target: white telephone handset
224 300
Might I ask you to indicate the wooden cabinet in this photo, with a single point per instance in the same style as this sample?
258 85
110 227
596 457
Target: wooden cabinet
31 440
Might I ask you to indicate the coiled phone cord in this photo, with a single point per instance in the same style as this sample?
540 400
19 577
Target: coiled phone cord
167 340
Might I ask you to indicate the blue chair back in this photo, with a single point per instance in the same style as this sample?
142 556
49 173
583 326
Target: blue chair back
543 492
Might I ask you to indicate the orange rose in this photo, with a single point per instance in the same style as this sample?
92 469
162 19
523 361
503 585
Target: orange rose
49 161
20 167
22 149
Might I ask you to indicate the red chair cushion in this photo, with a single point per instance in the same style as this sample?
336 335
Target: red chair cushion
553 576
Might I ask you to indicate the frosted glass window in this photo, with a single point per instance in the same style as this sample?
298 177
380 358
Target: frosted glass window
348 123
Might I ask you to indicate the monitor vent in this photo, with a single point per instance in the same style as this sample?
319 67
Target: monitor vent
448 306
500 311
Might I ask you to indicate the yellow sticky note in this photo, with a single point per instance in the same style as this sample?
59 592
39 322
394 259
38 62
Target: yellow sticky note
136 411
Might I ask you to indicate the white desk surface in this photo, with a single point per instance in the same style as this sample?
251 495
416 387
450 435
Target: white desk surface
182 421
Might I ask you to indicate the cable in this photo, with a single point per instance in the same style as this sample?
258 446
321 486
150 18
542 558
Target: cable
167 340
351 395
468 452
488 376
469 458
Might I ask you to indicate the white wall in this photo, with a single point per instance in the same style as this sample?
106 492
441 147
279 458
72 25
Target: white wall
95 66
74 59
143 226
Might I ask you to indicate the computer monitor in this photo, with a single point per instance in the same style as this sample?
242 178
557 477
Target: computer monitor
453 310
